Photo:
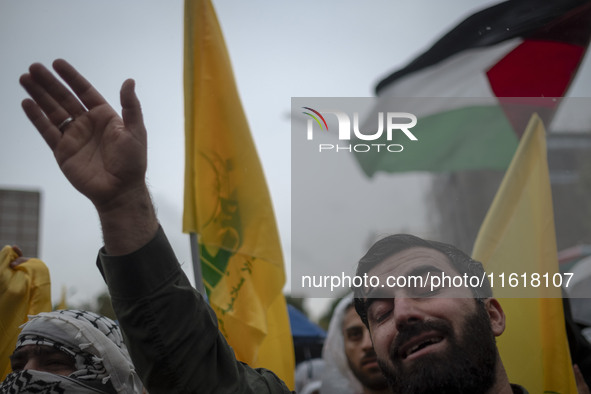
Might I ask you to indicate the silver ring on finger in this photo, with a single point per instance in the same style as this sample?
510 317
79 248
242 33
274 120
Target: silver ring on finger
62 126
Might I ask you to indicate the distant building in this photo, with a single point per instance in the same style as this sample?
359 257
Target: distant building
461 199
19 220
569 159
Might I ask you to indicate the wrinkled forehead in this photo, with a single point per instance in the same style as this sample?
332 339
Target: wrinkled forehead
411 259
413 262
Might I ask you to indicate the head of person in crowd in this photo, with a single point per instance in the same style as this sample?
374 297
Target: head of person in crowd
431 336
71 351
350 360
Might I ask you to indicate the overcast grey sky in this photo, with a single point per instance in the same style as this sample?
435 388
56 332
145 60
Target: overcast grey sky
279 50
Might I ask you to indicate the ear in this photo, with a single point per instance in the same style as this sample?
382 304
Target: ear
496 315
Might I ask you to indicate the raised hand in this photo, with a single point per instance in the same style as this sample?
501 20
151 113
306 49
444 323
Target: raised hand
19 259
102 154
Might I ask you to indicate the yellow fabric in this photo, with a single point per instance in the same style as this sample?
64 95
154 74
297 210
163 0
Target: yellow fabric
518 236
24 290
228 205
62 304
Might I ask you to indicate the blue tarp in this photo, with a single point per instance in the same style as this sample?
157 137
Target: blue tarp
302 329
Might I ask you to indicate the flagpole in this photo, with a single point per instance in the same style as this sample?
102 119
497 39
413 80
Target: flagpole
197 265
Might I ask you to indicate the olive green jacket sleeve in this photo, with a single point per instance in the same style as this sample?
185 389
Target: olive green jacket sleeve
170 330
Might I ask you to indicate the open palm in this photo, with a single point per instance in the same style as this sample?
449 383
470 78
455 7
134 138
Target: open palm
102 154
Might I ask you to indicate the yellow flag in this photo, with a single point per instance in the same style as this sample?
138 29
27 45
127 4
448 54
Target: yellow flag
517 237
62 304
228 205
24 290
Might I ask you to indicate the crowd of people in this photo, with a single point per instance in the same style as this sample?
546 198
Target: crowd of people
404 340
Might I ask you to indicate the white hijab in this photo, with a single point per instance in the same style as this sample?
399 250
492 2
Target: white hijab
337 377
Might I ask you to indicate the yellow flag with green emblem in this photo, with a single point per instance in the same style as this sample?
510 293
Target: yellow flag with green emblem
517 237
227 204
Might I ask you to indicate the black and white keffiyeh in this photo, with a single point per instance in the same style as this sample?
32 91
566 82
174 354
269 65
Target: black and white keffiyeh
31 381
95 342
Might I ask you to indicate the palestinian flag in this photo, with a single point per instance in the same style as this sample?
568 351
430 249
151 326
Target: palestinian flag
475 89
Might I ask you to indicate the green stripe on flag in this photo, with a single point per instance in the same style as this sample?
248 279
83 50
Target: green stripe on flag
468 138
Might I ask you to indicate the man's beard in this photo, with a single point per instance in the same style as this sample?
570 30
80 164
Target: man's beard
371 381
467 366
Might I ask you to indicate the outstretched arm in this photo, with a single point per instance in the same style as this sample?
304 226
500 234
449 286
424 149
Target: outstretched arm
171 332
103 155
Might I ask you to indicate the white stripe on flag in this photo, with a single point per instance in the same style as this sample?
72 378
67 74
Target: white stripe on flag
465 75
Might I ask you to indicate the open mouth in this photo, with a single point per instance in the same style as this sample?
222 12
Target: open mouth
417 344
